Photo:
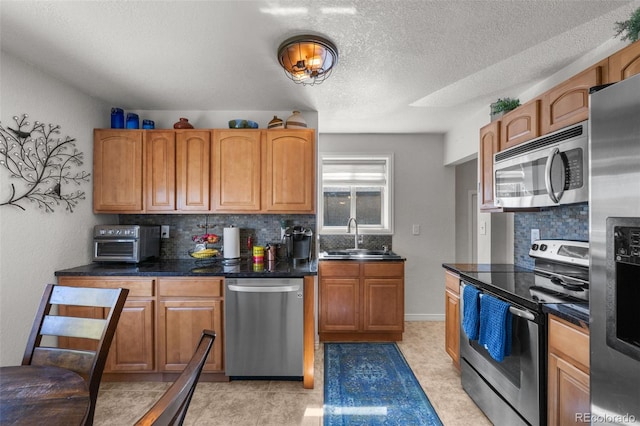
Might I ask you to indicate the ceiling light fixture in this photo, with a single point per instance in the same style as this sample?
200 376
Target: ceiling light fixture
308 59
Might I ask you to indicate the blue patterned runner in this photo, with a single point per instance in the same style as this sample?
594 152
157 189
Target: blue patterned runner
372 384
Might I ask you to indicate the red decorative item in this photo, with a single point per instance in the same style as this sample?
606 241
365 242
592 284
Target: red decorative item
183 123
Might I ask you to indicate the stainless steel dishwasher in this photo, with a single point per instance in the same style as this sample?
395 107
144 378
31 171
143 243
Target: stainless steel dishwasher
264 327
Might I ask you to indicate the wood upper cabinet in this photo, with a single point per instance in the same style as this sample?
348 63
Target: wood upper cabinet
452 316
193 163
289 171
236 170
186 307
489 145
568 103
520 125
360 301
160 165
117 171
568 372
132 348
624 63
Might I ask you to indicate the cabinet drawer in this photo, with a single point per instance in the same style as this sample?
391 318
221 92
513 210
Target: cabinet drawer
568 339
190 287
383 269
138 287
339 269
452 282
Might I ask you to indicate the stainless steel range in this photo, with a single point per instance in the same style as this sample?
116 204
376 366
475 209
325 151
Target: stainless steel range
512 391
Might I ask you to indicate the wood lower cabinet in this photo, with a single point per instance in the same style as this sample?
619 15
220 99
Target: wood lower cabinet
568 373
568 103
117 171
236 170
187 306
361 301
133 345
624 63
452 316
489 145
520 125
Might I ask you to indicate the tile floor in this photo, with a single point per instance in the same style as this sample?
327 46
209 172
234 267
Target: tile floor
287 403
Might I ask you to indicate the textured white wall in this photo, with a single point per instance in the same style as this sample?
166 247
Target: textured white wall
34 244
424 193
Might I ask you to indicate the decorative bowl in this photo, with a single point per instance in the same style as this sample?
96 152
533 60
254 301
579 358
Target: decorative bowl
239 123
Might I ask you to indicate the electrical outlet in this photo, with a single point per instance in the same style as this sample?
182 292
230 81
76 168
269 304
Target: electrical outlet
535 235
415 229
483 227
164 231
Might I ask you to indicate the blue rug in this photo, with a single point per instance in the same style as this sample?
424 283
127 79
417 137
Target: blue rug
372 384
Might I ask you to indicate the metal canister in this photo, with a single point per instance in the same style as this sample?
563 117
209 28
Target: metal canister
270 252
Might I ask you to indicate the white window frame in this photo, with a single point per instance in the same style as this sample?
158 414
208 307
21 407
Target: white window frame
386 228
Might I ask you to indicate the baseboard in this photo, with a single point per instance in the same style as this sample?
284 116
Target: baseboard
424 317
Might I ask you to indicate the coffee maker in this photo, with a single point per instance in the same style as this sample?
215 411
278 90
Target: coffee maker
298 240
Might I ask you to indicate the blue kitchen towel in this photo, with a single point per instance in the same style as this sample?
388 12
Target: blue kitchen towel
471 312
495 327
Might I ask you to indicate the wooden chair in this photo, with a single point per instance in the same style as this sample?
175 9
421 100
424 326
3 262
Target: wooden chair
171 408
88 363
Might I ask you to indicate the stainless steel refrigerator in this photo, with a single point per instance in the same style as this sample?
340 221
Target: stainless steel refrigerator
614 237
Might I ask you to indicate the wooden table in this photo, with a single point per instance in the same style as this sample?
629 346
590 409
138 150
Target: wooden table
31 395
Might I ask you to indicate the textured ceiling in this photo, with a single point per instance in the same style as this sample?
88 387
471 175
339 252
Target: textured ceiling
405 66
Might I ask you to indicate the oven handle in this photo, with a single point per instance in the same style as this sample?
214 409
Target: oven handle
522 314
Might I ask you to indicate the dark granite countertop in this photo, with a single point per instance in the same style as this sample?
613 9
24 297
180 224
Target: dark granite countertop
215 267
576 313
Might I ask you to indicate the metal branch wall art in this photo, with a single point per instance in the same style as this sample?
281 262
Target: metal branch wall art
44 163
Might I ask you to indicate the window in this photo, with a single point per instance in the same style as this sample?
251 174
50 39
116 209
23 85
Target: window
357 186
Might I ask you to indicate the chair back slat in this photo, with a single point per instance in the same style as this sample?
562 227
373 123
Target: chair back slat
172 406
79 361
82 296
88 328
89 364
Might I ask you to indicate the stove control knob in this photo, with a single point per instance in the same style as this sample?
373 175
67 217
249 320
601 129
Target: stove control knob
534 247
543 247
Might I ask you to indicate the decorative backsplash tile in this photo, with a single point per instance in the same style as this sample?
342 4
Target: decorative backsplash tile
263 228
564 222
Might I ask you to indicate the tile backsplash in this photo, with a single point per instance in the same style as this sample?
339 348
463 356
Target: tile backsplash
263 228
569 222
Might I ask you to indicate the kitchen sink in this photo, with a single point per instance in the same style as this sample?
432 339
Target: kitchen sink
359 254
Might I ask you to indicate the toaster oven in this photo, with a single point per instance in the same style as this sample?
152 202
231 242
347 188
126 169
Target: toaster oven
125 243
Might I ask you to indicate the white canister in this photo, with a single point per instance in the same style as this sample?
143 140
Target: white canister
296 121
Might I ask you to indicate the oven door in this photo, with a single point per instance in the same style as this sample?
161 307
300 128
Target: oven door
116 250
508 392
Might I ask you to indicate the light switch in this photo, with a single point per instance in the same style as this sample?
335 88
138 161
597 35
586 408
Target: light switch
415 230
483 227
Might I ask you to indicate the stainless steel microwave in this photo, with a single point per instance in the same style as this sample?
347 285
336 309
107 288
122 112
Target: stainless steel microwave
546 171
125 243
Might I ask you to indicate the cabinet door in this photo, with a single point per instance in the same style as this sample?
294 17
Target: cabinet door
236 170
339 304
289 180
132 348
383 304
452 326
568 393
520 125
568 103
624 63
489 145
180 325
117 171
160 165
193 158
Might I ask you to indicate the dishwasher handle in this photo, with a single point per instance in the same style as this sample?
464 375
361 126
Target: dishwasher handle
263 289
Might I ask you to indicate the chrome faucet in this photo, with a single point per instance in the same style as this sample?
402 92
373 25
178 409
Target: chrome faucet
349 228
